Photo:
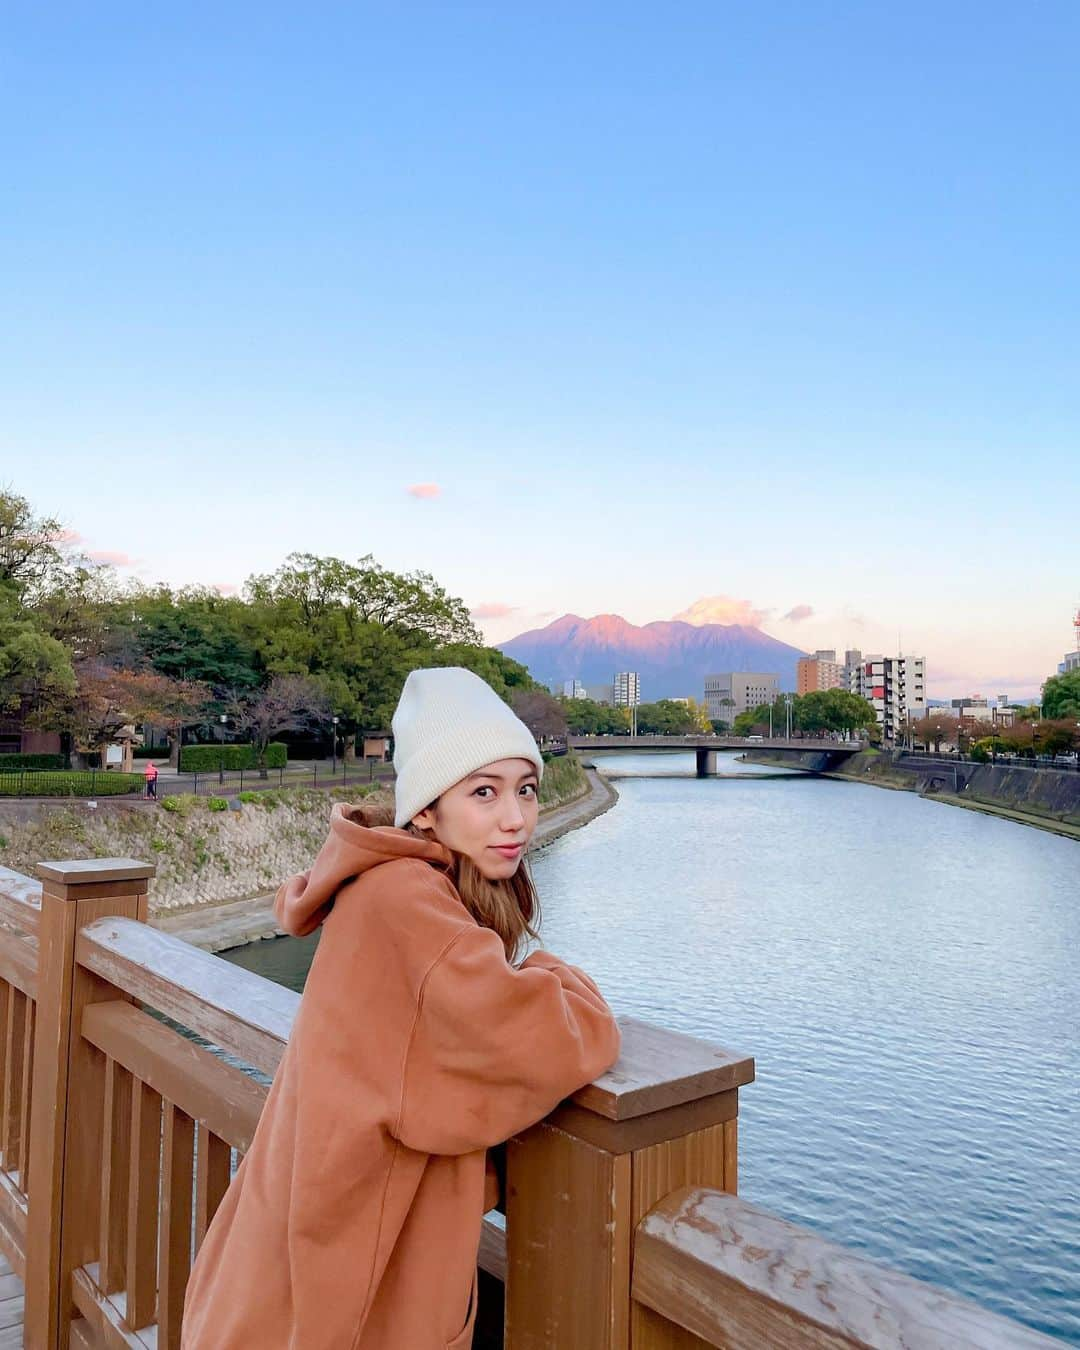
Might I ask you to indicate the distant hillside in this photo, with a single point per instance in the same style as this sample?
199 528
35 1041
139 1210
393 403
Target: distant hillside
672 657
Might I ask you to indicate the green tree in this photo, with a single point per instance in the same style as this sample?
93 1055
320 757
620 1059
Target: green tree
666 717
505 675
1061 695
36 672
29 553
192 634
585 717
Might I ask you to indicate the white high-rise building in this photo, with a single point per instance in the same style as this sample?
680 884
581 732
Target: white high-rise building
573 689
626 689
894 685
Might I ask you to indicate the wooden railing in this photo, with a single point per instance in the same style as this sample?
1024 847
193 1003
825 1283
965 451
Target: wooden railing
622 1227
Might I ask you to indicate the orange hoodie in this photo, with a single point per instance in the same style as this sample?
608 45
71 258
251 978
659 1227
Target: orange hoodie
354 1219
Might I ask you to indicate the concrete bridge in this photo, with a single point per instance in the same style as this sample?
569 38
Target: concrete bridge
806 752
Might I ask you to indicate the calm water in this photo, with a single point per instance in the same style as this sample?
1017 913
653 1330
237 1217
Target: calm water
905 974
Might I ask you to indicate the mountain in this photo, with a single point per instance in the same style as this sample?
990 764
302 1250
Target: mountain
671 657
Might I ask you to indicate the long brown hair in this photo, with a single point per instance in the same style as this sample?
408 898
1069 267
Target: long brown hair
510 908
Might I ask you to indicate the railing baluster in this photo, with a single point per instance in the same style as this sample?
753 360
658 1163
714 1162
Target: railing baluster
5 1006
13 1080
26 1094
143 1188
116 1153
174 1243
211 1180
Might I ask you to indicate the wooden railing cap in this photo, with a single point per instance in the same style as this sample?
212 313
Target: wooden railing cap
76 871
658 1069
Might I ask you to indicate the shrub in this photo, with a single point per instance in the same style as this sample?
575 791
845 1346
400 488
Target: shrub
182 804
69 784
248 797
9 763
209 758
217 803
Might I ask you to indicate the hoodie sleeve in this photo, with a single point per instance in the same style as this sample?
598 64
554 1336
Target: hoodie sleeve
494 1048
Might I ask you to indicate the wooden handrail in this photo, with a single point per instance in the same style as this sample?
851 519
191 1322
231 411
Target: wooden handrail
734 1275
20 903
235 1009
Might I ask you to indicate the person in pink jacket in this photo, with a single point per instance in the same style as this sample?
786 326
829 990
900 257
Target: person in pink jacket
422 1040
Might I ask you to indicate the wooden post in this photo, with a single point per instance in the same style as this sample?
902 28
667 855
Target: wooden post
580 1182
63 1230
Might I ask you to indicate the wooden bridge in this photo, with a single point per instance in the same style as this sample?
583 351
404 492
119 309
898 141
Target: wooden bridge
622 1228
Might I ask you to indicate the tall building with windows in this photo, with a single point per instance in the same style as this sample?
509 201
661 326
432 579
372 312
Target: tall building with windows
573 689
820 671
734 692
894 685
626 689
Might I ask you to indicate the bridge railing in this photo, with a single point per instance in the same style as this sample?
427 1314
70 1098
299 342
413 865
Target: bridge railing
622 1227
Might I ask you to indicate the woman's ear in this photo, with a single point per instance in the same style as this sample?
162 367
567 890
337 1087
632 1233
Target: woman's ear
425 819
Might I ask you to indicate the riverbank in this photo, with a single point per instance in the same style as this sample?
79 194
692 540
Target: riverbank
217 927
1048 799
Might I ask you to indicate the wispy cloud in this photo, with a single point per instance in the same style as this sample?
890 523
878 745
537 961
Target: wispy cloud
493 609
107 557
798 614
68 537
425 491
224 587
723 609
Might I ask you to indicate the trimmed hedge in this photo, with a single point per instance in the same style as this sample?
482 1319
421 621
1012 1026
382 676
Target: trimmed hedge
69 784
210 758
10 762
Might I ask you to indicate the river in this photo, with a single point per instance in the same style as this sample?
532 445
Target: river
904 973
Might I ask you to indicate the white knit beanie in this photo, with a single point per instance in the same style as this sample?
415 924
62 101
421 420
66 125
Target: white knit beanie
448 723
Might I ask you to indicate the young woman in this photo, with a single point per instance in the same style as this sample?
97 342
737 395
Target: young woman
354 1220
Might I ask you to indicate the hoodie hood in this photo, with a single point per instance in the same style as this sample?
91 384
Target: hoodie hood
357 842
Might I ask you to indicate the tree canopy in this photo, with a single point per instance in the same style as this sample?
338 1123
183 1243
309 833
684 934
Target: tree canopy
1061 695
83 653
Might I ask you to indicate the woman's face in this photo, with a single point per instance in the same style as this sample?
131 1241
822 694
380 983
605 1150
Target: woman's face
489 816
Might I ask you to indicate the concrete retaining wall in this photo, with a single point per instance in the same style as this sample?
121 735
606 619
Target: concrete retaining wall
1050 793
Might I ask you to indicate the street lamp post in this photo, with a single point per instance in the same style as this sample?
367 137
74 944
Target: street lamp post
333 746
222 719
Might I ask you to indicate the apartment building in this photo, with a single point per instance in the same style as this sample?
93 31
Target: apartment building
626 689
820 671
894 685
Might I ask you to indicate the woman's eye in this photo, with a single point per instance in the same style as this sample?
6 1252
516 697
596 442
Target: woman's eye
485 788
530 788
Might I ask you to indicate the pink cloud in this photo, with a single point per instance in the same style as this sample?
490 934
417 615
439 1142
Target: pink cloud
798 614
722 609
425 491
68 537
224 587
493 610
106 557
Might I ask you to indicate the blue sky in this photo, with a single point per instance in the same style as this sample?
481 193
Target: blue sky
773 303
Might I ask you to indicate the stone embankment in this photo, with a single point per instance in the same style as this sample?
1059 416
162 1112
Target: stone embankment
1047 798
